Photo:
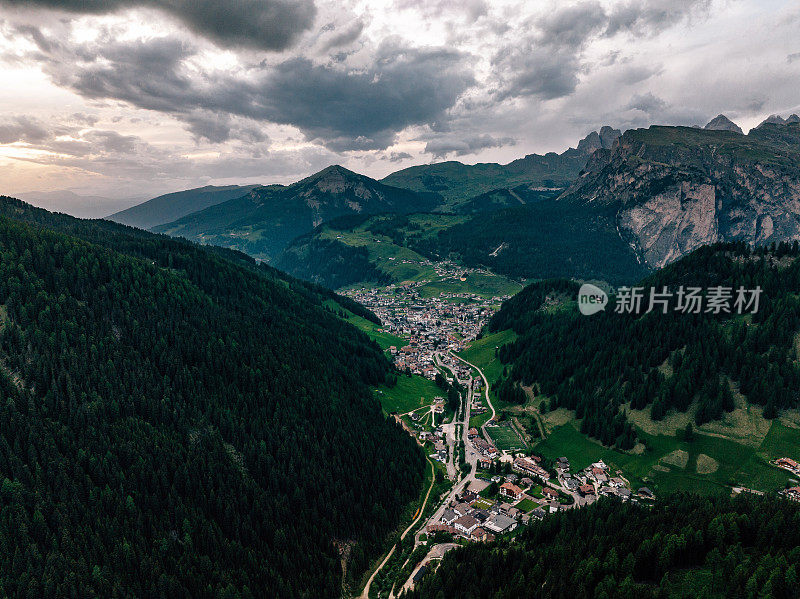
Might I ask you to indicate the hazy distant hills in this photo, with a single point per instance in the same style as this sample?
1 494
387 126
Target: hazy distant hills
80 206
173 206
265 220
457 183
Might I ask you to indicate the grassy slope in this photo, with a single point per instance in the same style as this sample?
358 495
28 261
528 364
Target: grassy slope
481 353
408 394
404 264
707 464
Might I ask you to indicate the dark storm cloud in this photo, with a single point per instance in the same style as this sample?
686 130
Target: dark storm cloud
344 109
441 147
364 109
256 24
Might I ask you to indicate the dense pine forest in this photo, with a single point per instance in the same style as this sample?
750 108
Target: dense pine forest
541 240
177 421
603 364
684 546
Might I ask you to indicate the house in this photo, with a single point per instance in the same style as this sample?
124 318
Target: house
528 466
586 490
599 474
526 482
571 484
462 509
465 524
510 490
449 516
789 464
500 524
538 513
479 534
484 462
793 493
480 515
434 528
503 508
469 496
472 433
562 463
646 493
624 493
550 493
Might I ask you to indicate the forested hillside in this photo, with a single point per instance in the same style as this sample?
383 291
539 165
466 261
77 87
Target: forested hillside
546 239
684 546
178 422
601 365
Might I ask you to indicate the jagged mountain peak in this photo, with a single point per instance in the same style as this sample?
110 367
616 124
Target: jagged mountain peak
723 123
597 141
776 119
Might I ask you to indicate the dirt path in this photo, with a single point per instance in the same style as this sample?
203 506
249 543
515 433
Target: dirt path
365 593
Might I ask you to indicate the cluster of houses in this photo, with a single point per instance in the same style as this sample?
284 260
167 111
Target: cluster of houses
787 464
793 467
477 519
436 436
430 324
487 451
791 493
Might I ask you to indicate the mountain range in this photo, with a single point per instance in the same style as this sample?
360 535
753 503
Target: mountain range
264 221
613 208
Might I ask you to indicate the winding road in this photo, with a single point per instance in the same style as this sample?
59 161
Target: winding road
365 593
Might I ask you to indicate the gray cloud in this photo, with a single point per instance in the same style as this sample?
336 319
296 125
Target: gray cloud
344 109
648 103
442 147
548 63
255 24
642 17
570 26
343 36
543 72
22 129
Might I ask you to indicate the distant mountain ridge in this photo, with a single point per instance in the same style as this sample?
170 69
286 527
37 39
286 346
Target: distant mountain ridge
265 220
172 206
456 182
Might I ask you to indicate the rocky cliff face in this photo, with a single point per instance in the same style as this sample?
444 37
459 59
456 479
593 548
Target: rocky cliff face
674 189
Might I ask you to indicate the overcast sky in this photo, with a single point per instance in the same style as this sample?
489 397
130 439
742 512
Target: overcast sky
119 98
